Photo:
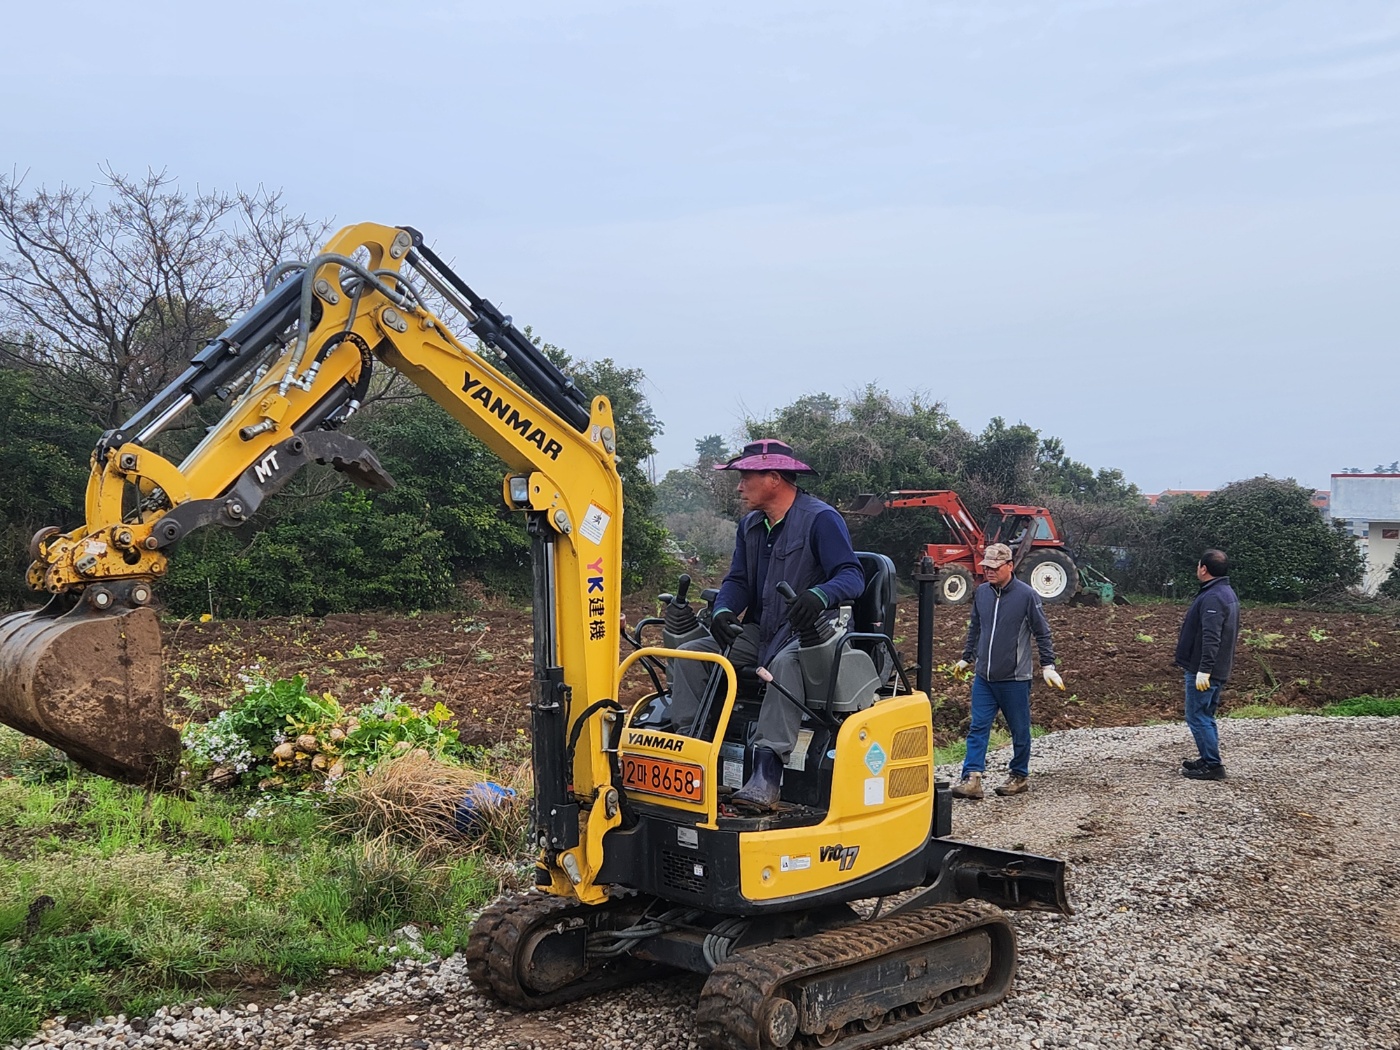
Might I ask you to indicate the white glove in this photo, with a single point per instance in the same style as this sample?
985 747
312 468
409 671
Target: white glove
960 667
1202 681
1052 677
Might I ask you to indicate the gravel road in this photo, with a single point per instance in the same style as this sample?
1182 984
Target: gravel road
1257 912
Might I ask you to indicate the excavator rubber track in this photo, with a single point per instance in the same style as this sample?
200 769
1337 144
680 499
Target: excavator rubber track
863 985
89 683
502 960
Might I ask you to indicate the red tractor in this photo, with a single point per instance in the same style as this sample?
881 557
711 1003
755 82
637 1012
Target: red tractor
1037 549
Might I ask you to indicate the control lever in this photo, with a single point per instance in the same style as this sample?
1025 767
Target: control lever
819 632
680 616
766 676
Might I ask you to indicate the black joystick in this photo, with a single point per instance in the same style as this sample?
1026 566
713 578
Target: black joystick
821 631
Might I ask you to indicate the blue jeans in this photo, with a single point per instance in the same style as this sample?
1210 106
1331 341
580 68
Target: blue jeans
1200 718
1013 699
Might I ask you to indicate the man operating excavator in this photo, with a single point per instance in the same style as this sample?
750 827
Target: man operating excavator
788 536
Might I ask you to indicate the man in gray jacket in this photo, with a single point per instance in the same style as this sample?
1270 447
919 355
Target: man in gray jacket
1006 612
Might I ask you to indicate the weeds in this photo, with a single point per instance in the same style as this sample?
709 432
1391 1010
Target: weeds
1262 711
1357 707
116 900
1361 706
289 737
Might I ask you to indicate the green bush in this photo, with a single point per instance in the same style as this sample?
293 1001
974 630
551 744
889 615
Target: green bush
341 554
42 474
1390 587
1279 548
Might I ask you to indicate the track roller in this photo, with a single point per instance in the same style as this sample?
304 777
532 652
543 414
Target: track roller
530 950
863 985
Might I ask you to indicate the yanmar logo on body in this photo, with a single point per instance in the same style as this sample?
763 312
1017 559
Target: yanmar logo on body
664 743
844 856
503 409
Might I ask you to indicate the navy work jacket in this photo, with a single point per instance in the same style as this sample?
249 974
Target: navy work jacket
1208 634
999 633
794 559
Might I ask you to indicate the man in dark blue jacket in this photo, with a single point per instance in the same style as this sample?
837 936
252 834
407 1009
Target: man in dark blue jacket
1205 650
790 537
1006 612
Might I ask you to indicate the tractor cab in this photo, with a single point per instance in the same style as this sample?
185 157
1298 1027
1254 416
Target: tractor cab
1016 525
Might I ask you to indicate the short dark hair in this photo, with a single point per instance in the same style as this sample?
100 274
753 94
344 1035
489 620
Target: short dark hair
1215 562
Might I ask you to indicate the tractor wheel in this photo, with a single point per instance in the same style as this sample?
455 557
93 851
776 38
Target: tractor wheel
954 586
1051 573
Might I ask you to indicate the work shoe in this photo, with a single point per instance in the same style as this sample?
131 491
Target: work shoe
1192 763
1014 786
765 784
969 786
1214 771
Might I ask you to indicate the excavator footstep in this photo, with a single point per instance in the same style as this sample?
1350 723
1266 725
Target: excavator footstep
89 683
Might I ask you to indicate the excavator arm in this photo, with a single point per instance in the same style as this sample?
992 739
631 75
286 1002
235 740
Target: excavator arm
83 673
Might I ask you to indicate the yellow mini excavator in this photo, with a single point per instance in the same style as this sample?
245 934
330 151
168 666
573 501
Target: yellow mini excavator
845 917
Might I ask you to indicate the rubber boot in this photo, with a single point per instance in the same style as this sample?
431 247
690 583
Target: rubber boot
765 783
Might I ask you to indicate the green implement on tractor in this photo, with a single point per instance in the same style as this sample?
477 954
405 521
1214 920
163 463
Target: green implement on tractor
1097 589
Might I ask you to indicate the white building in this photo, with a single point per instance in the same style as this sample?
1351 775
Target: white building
1370 505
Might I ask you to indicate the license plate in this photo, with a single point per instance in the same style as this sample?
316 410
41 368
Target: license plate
660 776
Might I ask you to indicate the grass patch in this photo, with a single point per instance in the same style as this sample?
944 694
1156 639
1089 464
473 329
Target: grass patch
1362 706
116 900
1357 707
1262 711
956 750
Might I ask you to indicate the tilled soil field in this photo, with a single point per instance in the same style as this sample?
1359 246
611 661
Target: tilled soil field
1257 912
1116 661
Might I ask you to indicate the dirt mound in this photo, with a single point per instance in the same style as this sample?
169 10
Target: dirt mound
1117 661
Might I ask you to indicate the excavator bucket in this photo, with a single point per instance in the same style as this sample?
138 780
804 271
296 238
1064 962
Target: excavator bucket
90 684
868 504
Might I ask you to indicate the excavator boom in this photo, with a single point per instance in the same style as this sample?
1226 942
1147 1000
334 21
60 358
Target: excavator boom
84 672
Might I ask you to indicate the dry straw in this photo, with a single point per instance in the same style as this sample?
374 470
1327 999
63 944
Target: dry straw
413 803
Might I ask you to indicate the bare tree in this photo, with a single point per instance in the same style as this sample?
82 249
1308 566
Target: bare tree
108 292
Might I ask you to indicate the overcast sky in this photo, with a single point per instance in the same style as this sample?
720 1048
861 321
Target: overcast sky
1167 232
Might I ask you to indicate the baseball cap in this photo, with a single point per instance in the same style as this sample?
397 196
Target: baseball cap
996 554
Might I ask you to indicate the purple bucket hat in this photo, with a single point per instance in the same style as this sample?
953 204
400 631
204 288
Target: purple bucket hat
767 454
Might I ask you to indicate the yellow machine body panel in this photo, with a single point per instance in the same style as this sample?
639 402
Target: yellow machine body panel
881 808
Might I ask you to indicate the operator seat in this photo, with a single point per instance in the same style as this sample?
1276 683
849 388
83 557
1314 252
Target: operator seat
873 611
